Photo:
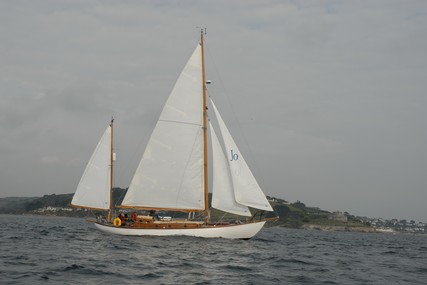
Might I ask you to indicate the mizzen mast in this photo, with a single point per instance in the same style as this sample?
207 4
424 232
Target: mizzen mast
110 211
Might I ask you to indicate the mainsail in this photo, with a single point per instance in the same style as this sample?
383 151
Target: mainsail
246 189
93 190
170 174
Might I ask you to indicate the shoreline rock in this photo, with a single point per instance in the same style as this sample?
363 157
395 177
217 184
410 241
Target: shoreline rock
337 228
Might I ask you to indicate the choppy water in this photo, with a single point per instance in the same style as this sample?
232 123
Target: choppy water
39 250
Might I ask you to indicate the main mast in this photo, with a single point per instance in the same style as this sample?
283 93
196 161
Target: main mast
110 211
205 133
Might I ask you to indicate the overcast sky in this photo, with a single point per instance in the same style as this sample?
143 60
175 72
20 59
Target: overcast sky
327 99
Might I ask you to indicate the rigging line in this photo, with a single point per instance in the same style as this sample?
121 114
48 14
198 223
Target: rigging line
179 122
121 196
117 173
245 141
207 102
221 219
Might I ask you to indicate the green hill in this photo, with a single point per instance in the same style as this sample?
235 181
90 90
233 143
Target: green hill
59 205
293 215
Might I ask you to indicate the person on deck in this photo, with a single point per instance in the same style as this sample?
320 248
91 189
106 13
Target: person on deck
122 218
125 219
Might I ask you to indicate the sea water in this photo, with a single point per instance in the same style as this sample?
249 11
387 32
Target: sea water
58 250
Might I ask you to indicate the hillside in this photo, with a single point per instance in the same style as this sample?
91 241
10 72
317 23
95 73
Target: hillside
53 204
298 215
294 215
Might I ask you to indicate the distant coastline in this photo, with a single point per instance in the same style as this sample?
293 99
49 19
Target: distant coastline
292 215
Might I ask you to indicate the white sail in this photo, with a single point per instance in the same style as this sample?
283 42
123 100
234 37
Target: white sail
170 174
93 190
222 187
246 189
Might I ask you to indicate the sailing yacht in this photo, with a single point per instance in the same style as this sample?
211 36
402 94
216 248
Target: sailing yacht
173 173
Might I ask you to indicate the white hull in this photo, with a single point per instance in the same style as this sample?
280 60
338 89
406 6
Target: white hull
243 231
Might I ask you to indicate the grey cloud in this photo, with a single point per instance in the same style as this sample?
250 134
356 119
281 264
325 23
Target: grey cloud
329 95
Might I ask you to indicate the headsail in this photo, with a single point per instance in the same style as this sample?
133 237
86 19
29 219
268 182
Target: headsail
246 189
222 187
170 174
93 190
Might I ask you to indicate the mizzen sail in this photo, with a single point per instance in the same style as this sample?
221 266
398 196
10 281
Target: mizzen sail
93 190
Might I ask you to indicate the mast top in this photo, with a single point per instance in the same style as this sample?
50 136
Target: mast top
202 32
